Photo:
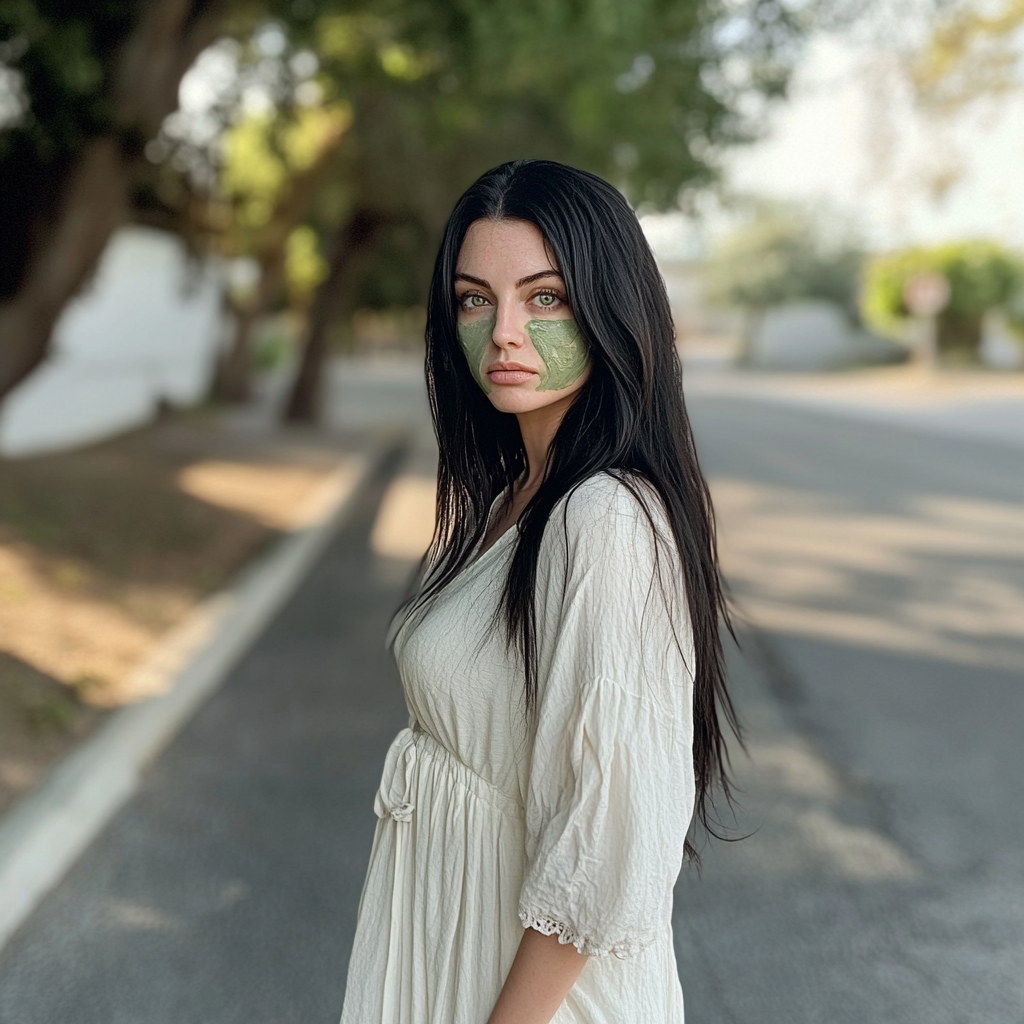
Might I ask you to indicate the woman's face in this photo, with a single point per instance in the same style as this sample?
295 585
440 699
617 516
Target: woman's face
515 324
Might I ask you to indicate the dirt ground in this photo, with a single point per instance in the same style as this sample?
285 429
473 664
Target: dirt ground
103 549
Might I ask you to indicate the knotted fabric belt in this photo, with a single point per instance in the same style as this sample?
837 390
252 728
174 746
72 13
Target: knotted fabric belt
392 798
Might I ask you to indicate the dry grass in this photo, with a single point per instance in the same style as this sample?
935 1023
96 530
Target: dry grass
104 549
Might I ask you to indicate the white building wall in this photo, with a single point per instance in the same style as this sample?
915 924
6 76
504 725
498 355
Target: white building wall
147 328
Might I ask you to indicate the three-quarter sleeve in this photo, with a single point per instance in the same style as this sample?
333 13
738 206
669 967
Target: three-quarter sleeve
610 786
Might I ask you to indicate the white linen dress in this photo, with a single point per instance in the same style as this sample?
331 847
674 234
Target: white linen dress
571 821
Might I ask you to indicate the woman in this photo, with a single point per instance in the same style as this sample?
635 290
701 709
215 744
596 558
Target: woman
560 659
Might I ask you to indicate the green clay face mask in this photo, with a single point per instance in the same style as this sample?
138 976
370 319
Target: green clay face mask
474 339
558 342
561 346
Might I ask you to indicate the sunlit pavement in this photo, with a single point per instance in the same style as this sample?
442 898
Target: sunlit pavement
880 572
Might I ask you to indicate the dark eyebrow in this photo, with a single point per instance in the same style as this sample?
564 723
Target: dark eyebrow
519 284
537 277
474 280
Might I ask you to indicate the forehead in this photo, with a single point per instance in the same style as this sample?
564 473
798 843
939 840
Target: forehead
502 250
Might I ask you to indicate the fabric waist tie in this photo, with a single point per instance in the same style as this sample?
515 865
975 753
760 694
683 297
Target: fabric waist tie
392 799
411 751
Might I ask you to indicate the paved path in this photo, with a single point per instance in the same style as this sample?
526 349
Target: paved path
883 576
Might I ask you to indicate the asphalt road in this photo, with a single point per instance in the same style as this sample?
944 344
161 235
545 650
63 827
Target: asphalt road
883 572
880 574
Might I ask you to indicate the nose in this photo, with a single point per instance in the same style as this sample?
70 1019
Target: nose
509 331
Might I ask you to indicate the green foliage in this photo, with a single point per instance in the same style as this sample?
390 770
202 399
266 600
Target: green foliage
305 267
421 97
262 156
56 62
973 51
982 276
644 92
272 349
1014 313
782 254
396 274
63 53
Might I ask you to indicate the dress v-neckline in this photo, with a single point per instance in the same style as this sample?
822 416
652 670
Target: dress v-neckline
478 555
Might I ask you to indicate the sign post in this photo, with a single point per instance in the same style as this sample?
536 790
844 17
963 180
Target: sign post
926 295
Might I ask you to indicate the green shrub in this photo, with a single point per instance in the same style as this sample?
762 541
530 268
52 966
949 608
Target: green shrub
271 350
982 276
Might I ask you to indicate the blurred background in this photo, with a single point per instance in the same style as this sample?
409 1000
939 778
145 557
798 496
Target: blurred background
218 220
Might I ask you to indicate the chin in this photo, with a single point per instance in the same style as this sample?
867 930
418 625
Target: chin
524 398
515 401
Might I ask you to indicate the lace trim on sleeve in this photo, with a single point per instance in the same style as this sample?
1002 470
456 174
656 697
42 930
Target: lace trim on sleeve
567 937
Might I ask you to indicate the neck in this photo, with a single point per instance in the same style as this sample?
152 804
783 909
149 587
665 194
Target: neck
538 428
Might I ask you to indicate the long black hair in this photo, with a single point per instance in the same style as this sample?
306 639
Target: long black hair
628 418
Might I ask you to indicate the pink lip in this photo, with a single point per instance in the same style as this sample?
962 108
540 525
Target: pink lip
510 373
509 366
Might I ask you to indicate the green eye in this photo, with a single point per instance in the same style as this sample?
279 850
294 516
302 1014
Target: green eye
545 300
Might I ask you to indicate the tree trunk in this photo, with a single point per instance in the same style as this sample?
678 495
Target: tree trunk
959 337
93 203
233 380
351 239
93 198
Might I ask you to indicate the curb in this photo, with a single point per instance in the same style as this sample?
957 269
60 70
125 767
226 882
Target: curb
43 835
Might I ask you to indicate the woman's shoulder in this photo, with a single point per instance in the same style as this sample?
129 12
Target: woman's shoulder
611 508
612 499
611 536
